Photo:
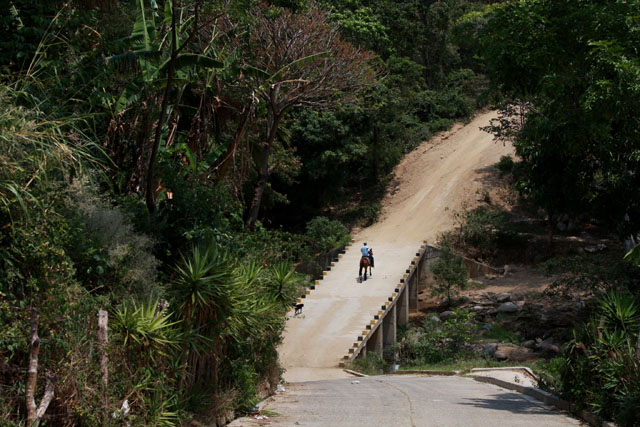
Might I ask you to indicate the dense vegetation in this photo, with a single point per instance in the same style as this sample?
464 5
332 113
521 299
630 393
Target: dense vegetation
164 164
169 162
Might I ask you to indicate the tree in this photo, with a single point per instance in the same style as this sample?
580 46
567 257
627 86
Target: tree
577 66
303 63
449 273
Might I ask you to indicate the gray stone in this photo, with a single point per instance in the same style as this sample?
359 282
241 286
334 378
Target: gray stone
529 344
477 308
503 298
445 315
435 319
508 307
490 349
550 348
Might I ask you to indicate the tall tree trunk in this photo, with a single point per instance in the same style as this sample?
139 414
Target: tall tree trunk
376 153
273 120
149 193
227 158
263 177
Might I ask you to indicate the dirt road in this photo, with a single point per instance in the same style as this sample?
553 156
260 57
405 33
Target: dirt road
431 183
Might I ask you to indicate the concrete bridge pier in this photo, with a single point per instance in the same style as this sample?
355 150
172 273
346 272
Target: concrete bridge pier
376 342
389 328
402 307
413 289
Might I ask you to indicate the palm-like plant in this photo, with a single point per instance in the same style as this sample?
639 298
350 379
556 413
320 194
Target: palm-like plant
620 312
204 286
146 328
282 283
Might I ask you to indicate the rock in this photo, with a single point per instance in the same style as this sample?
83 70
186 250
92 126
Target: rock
581 305
435 319
508 307
529 344
514 353
477 308
490 276
520 304
504 298
550 348
490 349
462 300
486 326
445 315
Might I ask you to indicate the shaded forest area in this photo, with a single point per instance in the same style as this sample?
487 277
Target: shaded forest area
164 165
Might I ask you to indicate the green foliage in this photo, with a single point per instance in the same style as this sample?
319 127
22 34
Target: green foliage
281 283
449 273
325 235
437 342
576 66
146 328
372 364
600 368
505 165
501 334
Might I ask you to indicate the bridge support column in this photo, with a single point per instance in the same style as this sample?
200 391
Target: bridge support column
375 342
389 331
402 307
412 287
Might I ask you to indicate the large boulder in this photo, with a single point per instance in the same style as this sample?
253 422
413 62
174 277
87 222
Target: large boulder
490 349
514 353
507 307
445 315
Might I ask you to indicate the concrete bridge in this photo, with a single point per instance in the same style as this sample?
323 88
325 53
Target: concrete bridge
381 332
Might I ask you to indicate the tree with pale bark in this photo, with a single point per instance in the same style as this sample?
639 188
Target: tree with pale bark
301 61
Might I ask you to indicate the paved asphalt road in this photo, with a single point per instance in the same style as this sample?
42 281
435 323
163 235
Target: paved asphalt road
407 401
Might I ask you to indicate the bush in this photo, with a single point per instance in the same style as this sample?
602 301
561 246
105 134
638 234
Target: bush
449 273
437 342
325 235
601 367
505 165
372 364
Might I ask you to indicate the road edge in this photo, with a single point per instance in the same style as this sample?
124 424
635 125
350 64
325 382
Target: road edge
547 398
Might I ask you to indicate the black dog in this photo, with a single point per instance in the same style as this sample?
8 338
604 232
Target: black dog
298 307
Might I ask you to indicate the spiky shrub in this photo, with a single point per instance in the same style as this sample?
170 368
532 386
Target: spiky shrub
601 366
228 314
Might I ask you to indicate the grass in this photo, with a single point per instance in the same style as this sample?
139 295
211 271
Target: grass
500 333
